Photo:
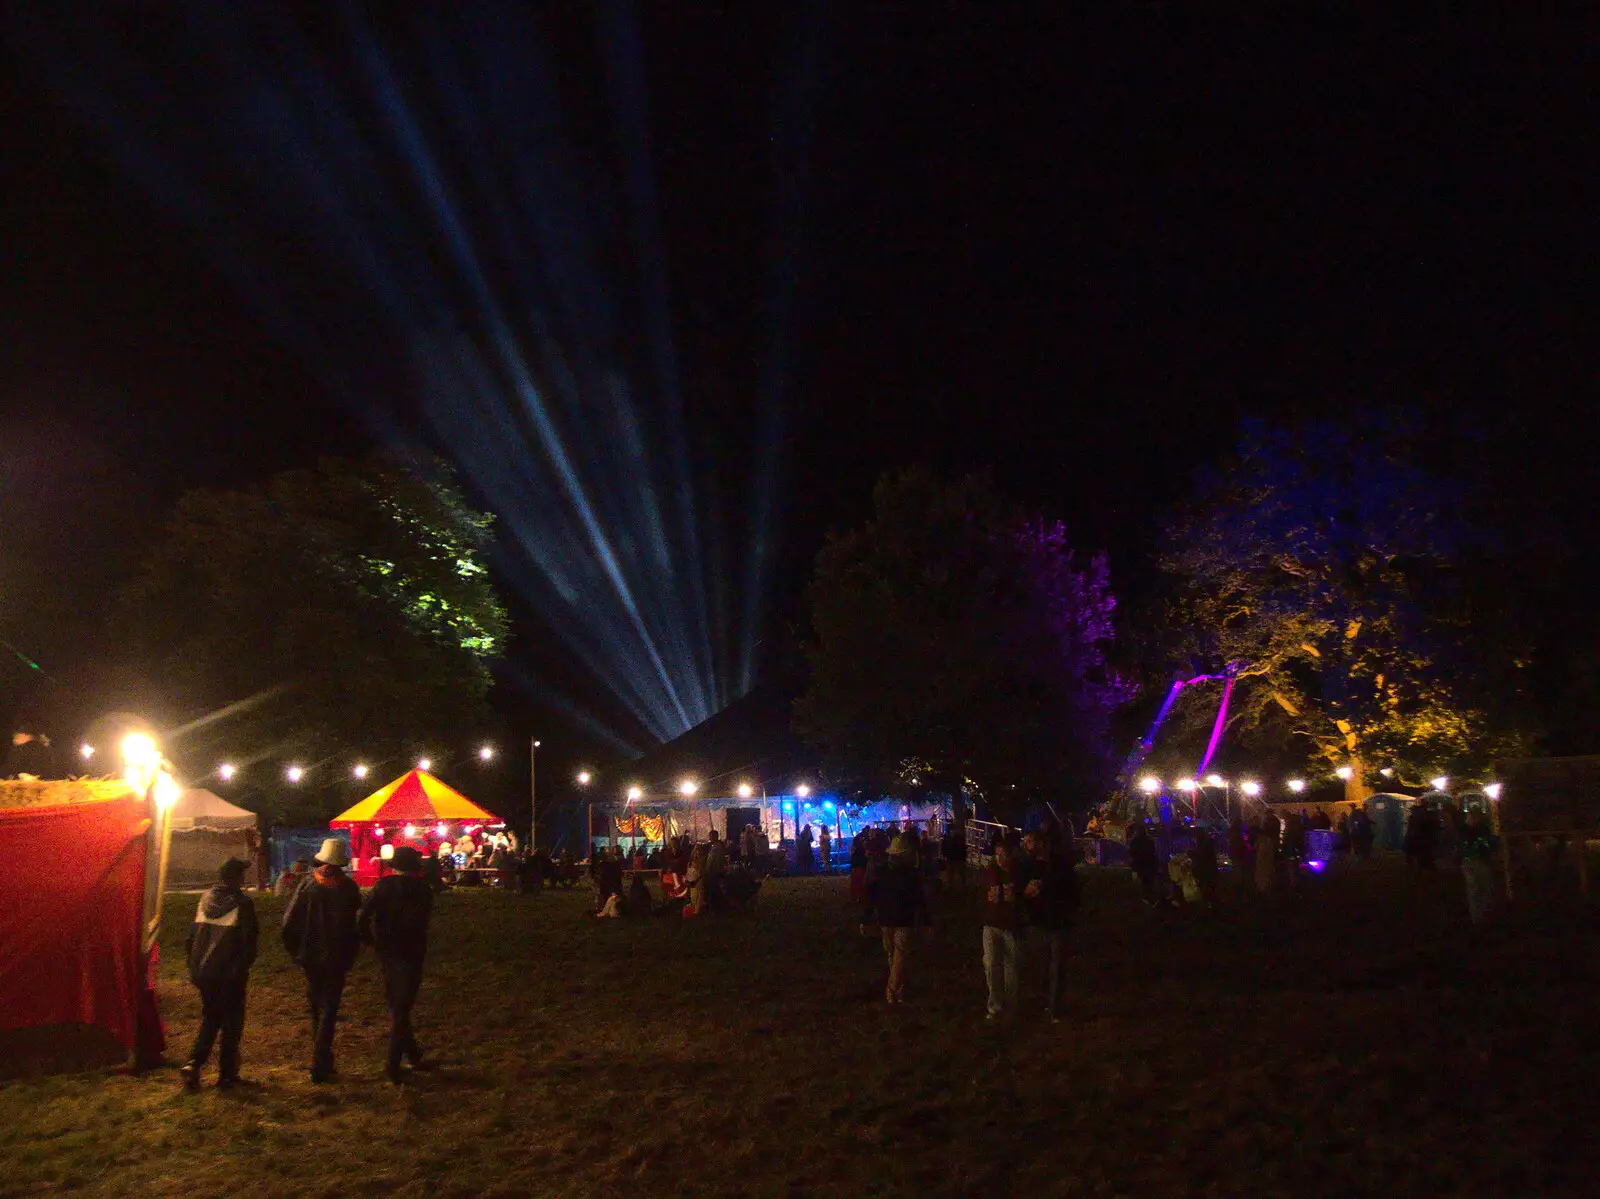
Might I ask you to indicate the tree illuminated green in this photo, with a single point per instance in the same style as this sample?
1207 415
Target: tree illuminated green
350 604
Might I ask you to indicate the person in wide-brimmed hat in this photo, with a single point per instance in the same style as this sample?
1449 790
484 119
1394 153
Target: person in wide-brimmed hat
319 931
394 921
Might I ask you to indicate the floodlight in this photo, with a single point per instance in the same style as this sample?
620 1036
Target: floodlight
1297 785
1149 784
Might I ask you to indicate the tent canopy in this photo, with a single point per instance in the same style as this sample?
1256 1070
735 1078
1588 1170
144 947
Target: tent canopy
198 809
417 797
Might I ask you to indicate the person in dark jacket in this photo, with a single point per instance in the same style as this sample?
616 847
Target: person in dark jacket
319 931
1049 902
608 878
1146 862
898 904
394 921
222 947
1203 861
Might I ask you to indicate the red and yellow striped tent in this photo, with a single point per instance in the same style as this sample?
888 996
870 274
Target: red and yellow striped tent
409 811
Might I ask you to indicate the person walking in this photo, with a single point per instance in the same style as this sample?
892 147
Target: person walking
221 947
1002 920
898 905
394 921
319 931
1049 902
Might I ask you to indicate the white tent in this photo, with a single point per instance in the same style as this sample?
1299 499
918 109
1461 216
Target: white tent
207 830
198 809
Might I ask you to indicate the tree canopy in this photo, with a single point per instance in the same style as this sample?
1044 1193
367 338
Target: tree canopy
1330 562
957 638
346 609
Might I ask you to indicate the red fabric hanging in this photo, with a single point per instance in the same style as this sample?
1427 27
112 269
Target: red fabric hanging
71 906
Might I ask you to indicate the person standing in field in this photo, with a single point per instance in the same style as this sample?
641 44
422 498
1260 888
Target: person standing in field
1477 852
394 921
898 905
222 947
319 931
1050 900
1002 921
803 861
825 847
1145 863
1267 853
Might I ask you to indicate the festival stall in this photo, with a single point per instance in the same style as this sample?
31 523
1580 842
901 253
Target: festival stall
207 830
416 809
76 934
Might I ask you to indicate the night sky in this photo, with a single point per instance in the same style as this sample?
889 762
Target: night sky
1072 252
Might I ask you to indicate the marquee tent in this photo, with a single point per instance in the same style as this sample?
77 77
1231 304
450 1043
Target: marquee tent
415 809
72 953
207 830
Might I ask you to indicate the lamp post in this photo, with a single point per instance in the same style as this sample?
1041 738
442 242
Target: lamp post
533 794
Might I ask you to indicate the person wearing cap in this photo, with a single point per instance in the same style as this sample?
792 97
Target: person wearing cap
899 905
394 921
319 931
221 947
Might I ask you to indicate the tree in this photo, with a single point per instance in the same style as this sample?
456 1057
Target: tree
1333 565
958 635
345 609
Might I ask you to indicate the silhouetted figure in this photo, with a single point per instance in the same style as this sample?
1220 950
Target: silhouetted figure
803 861
221 947
1145 862
1203 861
394 921
319 931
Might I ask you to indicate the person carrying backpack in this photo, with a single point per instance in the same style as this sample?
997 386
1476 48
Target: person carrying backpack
394 921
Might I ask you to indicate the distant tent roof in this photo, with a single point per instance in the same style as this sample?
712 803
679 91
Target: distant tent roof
200 809
751 739
418 797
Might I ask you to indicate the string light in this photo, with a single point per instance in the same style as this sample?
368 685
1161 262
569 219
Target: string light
583 778
425 764
360 770
294 774
487 752
86 750
226 771
1297 785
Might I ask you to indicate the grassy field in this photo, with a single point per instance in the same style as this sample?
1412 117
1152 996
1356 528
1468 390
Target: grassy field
1352 1039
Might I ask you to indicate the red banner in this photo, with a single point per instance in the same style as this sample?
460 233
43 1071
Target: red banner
71 906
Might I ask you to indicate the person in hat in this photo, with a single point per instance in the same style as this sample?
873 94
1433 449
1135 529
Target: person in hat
394 921
899 905
222 948
319 931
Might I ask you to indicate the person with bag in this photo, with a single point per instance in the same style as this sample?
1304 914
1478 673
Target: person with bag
394 921
221 947
319 931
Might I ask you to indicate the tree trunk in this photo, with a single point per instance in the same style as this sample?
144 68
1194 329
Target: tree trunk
1356 789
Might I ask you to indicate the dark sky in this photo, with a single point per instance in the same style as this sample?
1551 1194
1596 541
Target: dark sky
1069 251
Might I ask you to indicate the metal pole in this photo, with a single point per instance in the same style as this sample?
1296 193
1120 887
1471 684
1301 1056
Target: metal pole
533 795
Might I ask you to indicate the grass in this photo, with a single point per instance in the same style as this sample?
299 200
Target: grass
1353 1039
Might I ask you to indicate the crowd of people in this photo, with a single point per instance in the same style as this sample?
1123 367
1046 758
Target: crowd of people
1269 851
